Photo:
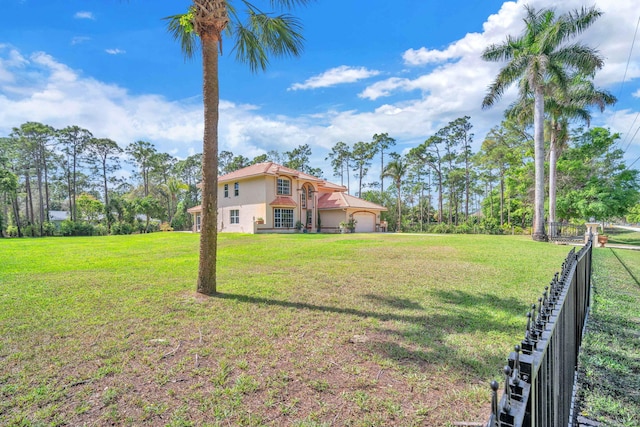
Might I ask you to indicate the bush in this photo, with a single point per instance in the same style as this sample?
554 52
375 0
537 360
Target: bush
12 231
121 228
490 226
48 228
165 227
100 230
441 229
29 231
67 227
70 228
464 228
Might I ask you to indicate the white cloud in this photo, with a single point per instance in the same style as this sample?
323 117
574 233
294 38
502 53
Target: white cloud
42 89
79 39
441 84
335 76
636 94
84 15
115 51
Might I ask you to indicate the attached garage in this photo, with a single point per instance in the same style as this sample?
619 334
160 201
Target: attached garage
365 222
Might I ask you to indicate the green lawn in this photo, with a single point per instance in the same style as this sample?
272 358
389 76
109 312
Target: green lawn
622 236
609 372
308 330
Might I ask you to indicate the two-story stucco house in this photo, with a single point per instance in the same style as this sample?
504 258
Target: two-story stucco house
270 198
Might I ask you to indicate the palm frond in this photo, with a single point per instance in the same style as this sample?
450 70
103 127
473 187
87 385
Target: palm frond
288 4
578 21
182 33
501 52
263 35
582 58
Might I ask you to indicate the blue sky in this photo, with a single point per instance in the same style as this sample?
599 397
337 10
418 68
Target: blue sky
405 67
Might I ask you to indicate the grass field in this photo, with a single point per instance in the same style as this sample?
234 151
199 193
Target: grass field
308 330
622 236
609 372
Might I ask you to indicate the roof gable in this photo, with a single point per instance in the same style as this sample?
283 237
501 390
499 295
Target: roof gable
339 200
267 168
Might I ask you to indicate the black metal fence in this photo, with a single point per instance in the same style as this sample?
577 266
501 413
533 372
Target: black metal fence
540 374
563 231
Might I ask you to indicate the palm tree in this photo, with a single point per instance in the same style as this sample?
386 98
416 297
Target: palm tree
255 39
396 170
539 55
562 106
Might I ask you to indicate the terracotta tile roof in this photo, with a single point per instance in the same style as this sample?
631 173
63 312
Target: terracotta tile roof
195 209
326 185
283 201
339 200
267 168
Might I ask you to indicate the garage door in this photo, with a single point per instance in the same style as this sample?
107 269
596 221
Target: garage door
366 222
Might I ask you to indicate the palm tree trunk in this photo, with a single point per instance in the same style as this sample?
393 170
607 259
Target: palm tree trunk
501 198
552 171
209 230
399 228
440 205
539 233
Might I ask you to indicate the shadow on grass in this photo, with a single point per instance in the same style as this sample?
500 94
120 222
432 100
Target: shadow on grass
425 338
626 267
622 236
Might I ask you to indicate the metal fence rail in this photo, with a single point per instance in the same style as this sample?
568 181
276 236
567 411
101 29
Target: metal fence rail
563 231
540 373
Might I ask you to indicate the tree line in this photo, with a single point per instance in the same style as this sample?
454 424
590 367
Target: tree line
441 185
43 170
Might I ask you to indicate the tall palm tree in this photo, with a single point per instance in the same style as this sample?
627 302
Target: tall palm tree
396 170
541 53
581 95
256 36
562 106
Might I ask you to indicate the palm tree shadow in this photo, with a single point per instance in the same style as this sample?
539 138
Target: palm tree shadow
418 338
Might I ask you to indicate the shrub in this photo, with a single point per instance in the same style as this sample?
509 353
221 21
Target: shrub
12 231
121 228
28 231
100 230
70 228
67 227
490 226
463 228
441 229
48 228
165 227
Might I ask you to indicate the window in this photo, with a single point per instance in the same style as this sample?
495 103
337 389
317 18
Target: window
236 189
234 216
198 222
284 187
303 199
309 217
226 190
283 218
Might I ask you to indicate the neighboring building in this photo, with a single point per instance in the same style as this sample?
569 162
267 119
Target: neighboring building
270 198
56 217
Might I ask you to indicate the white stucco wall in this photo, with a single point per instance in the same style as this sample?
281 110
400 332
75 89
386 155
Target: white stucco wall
332 219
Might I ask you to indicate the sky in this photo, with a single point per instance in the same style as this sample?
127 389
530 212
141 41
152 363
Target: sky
404 67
